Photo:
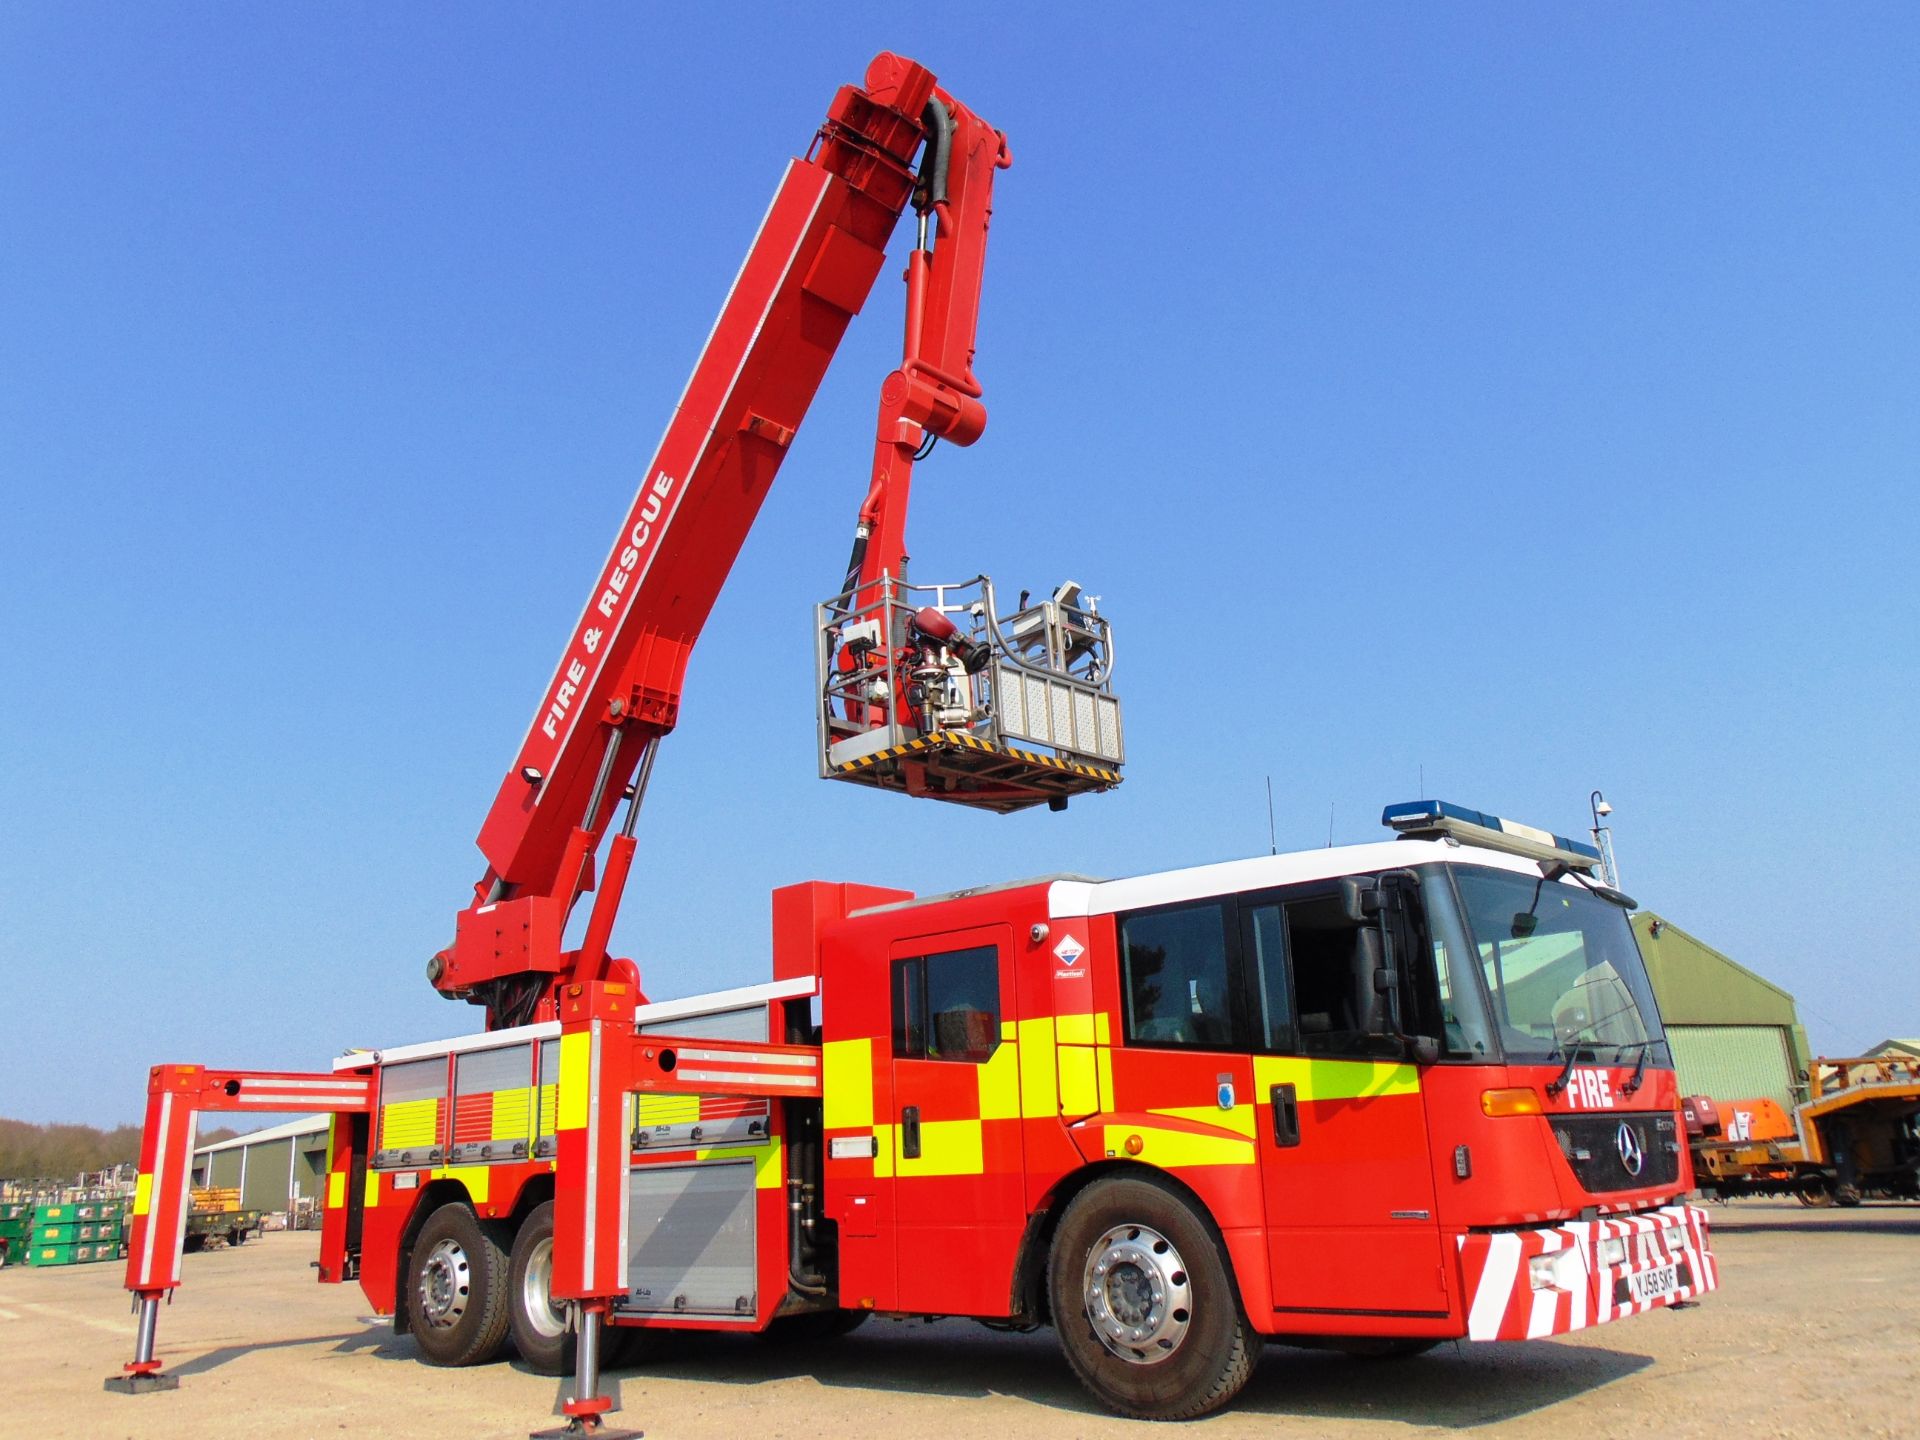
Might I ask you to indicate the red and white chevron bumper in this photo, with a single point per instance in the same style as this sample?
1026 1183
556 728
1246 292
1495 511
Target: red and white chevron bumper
1524 1284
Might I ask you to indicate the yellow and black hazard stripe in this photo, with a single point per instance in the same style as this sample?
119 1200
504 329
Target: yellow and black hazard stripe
960 740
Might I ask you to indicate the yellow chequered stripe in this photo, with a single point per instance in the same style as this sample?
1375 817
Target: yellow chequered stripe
846 1084
409 1124
768 1161
999 1081
512 1114
1170 1148
548 1108
666 1109
1316 1079
576 1054
475 1177
960 740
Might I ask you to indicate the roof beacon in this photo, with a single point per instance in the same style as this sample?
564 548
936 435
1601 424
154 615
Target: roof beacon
1425 819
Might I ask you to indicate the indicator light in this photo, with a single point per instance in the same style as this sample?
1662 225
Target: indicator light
1520 1100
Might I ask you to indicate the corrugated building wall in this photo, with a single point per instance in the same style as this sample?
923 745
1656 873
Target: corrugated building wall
271 1167
1734 1035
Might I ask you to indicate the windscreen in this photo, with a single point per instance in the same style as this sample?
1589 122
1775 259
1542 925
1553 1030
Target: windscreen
1562 970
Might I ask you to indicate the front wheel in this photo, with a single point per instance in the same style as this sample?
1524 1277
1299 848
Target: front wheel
456 1289
1146 1310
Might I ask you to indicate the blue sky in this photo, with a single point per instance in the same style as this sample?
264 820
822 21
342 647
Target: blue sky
1520 395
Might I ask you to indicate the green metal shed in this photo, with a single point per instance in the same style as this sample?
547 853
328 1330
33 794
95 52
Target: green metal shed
1734 1035
272 1167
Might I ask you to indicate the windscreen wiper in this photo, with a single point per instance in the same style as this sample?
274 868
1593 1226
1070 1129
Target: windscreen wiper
1639 1068
1565 1077
1605 892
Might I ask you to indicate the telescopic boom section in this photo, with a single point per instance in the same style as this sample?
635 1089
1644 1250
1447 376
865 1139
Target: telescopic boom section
617 688
934 394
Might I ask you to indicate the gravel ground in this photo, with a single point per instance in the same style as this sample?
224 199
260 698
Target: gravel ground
1811 1333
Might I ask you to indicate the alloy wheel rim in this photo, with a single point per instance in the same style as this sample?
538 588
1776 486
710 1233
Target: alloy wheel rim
536 1292
446 1285
1138 1294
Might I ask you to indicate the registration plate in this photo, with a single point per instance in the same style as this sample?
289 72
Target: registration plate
1657 1283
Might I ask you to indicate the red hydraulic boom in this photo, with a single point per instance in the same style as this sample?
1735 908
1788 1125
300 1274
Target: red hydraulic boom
617 688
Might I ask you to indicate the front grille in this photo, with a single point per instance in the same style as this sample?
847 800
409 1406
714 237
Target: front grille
1600 1151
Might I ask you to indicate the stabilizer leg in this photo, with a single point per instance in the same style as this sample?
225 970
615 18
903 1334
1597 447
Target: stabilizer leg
143 1371
587 1410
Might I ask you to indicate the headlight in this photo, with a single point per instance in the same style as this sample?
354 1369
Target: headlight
1558 1270
1614 1251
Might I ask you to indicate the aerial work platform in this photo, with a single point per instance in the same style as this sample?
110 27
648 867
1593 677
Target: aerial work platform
931 691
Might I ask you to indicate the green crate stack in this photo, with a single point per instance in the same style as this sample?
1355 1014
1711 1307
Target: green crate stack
68 1211
75 1254
71 1233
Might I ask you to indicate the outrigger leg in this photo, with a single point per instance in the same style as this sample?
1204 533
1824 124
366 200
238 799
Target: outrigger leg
143 1371
162 1196
590 1189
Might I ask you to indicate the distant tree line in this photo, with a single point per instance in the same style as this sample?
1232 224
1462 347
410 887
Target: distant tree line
61 1152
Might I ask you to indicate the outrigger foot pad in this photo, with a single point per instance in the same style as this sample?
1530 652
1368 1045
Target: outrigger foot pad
585 1428
140 1384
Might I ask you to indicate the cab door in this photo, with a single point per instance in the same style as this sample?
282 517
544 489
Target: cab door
954 1123
1344 1156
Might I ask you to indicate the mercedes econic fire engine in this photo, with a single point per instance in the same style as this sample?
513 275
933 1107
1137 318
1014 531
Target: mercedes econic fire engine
1369 1098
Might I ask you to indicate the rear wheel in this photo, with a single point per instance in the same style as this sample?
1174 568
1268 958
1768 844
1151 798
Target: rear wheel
537 1320
1146 1311
456 1289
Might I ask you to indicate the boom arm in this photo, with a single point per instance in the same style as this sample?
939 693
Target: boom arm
617 689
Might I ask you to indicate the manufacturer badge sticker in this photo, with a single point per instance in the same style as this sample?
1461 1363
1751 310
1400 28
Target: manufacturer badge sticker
1068 953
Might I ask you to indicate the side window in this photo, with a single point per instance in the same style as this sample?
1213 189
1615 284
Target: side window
910 1009
1267 930
946 1006
1179 978
1334 999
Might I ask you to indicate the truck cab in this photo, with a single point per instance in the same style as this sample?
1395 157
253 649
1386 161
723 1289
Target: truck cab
1410 1091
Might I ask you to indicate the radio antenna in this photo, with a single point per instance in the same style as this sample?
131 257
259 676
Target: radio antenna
1273 838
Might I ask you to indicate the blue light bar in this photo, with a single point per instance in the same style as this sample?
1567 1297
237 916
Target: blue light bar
1424 819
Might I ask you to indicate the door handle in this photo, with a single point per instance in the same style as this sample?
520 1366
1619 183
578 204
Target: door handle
1286 1115
910 1133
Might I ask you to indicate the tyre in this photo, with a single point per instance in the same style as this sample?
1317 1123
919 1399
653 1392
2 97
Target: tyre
1817 1198
457 1288
236 1237
1146 1311
193 1243
538 1322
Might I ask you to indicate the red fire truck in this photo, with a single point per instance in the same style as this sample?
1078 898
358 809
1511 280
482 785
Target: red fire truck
1371 1098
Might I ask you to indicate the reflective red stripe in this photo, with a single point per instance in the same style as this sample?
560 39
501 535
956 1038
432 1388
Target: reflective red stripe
1496 1272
